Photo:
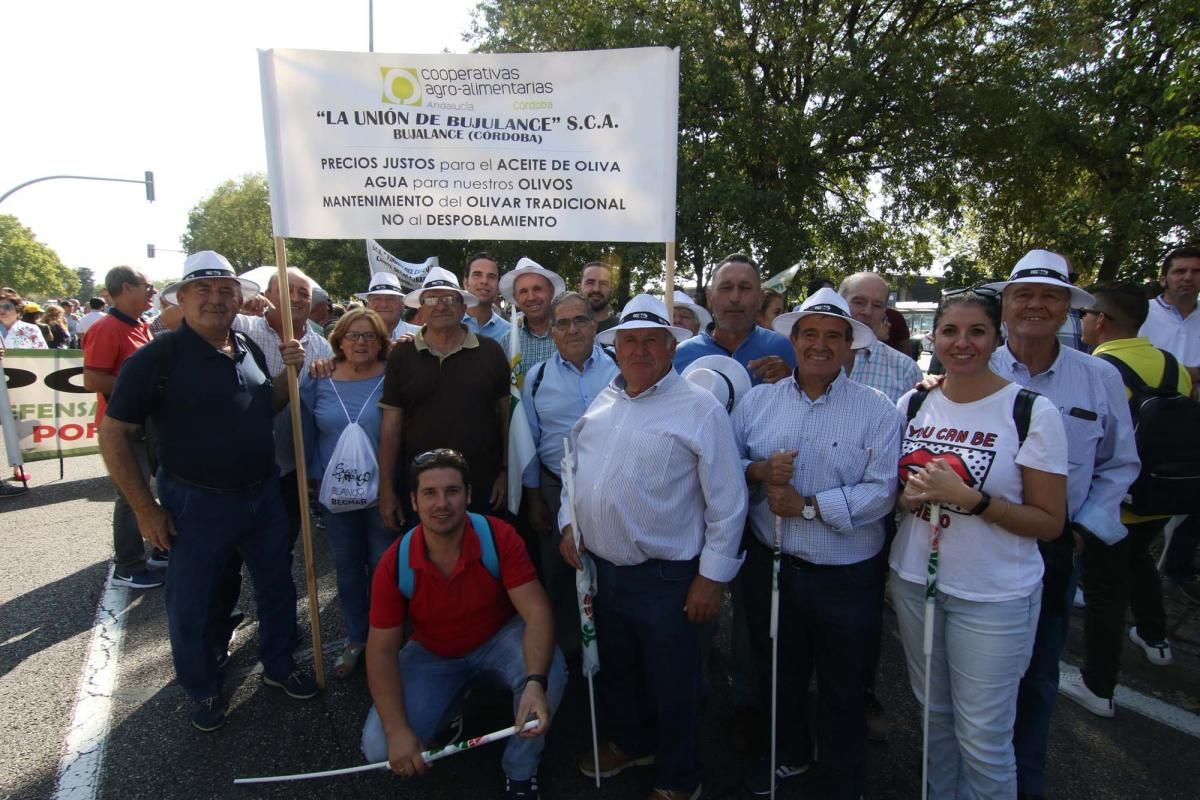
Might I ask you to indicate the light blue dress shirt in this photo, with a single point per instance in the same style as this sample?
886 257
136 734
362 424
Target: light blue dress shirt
1101 451
563 394
496 329
849 443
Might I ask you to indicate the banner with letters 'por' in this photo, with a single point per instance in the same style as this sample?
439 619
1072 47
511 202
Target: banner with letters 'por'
539 146
53 414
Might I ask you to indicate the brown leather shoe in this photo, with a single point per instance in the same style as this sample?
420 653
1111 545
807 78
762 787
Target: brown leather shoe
613 760
673 794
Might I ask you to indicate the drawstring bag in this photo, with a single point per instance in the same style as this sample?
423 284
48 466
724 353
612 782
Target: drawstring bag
351 480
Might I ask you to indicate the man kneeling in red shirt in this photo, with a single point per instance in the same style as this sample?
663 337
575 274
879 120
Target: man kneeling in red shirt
476 611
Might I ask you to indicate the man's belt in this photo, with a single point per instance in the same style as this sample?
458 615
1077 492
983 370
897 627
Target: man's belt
244 489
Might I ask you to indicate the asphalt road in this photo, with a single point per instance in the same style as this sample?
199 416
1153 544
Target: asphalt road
57 542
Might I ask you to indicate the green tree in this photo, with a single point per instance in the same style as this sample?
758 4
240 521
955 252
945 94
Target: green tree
235 221
803 127
87 284
1085 138
29 266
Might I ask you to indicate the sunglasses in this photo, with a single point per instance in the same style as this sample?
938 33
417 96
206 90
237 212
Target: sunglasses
447 300
1096 311
983 291
437 454
7 307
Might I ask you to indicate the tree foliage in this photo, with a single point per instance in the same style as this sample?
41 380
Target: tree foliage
29 266
87 284
235 221
855 135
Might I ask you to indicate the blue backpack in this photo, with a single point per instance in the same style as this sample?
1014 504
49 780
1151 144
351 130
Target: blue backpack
404 572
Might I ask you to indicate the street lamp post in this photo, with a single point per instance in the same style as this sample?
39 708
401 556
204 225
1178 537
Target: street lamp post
147 181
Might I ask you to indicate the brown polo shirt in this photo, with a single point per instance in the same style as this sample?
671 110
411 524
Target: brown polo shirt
449 400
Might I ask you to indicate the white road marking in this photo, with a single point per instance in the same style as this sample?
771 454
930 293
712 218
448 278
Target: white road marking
79 768
1149 707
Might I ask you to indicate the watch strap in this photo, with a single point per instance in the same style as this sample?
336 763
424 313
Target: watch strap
985 500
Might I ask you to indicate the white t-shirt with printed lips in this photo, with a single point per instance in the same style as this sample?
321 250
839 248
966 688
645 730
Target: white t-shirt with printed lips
978 560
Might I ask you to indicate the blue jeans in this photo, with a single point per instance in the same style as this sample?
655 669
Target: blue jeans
827 615
358 539
209 526
649 679
1039 686
980 652
433 685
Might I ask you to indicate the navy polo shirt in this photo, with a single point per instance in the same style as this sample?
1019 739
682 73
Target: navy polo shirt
214 417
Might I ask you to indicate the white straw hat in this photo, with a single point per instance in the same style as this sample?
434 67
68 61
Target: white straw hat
828 303
439 278
208 264
527 266
643 311
725 377
1042 266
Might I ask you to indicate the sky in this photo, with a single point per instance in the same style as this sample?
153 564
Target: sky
117 88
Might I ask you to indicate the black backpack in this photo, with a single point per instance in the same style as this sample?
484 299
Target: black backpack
1022 409
1166 428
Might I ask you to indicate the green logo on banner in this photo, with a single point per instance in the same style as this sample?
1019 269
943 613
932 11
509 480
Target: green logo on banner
401 86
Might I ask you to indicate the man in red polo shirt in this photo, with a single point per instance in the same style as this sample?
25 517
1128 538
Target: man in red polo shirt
110 340
476 612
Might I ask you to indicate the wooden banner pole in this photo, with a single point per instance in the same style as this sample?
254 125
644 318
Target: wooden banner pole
293 378
669 295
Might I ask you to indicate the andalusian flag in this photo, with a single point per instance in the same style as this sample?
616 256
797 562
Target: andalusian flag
521 449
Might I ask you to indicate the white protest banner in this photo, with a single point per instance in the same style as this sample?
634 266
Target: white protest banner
54 415
537 146
410 275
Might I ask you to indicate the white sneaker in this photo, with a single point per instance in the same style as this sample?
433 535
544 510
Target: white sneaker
1078 602
1158 653
1071 684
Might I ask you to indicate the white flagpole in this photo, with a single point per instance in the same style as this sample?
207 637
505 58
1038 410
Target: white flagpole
429 756
568 476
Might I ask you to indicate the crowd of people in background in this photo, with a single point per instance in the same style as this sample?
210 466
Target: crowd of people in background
676 456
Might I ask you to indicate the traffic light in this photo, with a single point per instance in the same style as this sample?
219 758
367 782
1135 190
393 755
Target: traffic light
150 188
149 251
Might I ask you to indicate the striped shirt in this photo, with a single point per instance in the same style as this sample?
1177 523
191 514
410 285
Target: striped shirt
534 350
884 368
658 476
1100 447
849 443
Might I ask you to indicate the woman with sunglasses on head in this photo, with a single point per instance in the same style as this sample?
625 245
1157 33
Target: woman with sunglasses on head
994 460
15 334
356 532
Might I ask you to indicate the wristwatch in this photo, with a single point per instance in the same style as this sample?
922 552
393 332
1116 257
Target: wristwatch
536 679
810 508
985 500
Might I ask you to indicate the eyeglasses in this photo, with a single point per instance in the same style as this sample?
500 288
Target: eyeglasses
360 336
444 300
430 456
149 286
579 323
1096 311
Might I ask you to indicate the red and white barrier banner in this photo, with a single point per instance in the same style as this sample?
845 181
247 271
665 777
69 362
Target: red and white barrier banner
537 146
51 412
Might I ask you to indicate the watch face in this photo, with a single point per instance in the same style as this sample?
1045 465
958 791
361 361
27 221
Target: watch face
809 512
